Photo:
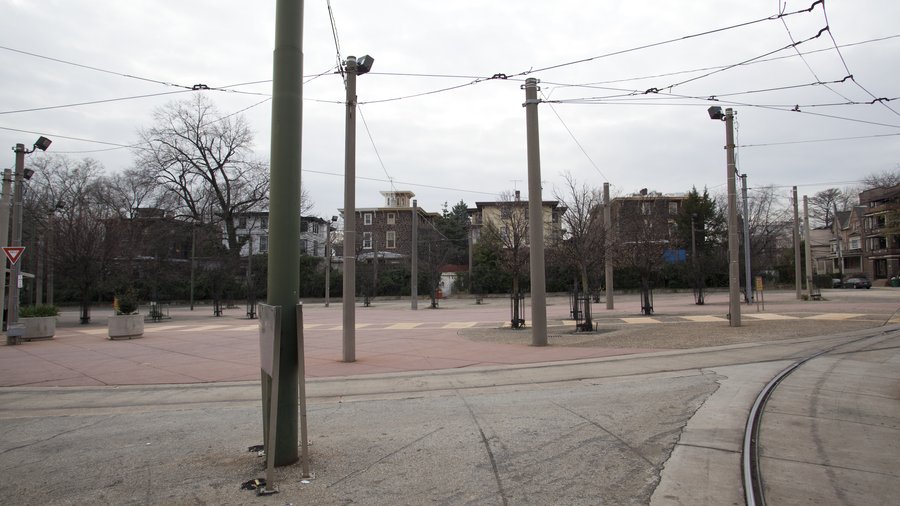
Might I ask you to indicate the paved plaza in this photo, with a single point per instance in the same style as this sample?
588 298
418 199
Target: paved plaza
197 347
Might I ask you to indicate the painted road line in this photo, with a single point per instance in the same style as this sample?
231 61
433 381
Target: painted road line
459 325
705 318
640 320
834 316
402 326
92 331
307 326
204 328
770 316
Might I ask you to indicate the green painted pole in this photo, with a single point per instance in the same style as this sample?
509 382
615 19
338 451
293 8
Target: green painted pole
284 215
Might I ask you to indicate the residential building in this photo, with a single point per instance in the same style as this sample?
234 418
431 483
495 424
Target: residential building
881 231
252 228
652 207
386 231
507 215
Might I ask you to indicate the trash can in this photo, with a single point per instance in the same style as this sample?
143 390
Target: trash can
895 281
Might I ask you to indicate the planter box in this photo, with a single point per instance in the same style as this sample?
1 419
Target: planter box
126 326
38 327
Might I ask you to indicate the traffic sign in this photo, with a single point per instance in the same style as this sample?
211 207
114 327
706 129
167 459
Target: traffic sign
13 253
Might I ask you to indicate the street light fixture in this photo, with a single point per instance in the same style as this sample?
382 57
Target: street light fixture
734 283
13 329
353 68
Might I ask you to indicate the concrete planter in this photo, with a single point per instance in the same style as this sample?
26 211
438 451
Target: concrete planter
38 327
126 326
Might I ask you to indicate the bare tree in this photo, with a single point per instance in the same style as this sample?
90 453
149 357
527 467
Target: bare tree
771 222
642 240
512 233
823 204
883 179
204 159
582 246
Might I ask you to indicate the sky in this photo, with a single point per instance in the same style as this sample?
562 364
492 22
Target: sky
624 86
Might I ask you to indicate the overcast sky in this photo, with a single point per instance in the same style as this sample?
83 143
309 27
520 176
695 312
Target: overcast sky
469 143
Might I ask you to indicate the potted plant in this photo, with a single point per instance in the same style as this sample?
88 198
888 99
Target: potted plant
38 321
126 323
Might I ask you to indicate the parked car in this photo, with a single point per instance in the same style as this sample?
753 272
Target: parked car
857 283
836 283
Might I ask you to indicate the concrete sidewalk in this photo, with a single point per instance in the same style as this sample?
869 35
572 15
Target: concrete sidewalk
196 347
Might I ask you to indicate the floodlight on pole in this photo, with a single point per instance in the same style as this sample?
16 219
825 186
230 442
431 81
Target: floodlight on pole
13 329
734 282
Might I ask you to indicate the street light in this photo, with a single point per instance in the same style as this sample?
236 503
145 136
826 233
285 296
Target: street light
353 68
734 283
13 330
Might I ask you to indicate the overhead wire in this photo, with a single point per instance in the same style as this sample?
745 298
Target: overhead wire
577 143
808 141
880 100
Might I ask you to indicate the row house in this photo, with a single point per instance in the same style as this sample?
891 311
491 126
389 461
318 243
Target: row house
386 231
866 239
508 215
253 231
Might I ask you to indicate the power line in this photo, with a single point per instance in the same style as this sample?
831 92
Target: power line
668 41
374 147
847 68
405 183
572 135
93 102
807 141
594 85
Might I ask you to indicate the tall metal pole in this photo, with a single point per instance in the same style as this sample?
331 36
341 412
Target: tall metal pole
535 217
193 258
327 263
12 304
414 259
808 248
349 322
284 216
748 288
4 225
607 256
798 283
734 267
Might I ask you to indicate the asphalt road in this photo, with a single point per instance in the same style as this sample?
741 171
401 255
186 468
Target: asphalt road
656 428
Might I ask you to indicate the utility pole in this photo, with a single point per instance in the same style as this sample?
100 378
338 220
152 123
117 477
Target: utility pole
535 217
349 322
12 303
607 256
807 249
4 224
414 259
748 293
284 220
798 284
734 283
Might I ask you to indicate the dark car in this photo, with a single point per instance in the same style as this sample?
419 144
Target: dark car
857 283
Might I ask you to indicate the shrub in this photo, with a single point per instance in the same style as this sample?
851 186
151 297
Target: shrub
126 303
38 310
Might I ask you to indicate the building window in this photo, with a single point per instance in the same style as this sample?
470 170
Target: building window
367 218
264 222
646 207
390 239
263 244
242 222
854 243
304 245
673 208
315 250
391 218
314 227
367 240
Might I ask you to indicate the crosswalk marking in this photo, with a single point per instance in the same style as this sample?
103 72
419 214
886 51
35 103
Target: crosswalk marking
834 316
770 316
403 326
705 318
459 325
